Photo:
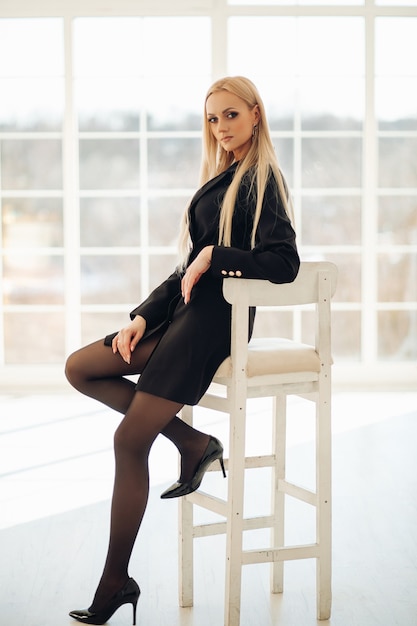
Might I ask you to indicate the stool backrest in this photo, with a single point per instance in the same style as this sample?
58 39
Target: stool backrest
304 289
314 284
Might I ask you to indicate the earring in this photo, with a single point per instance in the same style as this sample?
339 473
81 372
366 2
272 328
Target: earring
254 131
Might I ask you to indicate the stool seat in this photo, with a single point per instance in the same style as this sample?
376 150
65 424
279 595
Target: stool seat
274 355
274 368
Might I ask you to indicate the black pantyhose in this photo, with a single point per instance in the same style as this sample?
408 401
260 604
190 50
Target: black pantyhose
97 372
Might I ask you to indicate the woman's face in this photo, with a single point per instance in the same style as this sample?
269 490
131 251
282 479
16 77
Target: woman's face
231 122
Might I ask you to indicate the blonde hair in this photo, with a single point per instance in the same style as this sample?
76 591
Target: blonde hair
260 160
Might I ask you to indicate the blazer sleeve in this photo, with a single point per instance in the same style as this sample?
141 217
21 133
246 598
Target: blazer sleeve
274 257
156 308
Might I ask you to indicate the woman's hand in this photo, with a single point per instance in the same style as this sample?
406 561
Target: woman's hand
128 337
194 271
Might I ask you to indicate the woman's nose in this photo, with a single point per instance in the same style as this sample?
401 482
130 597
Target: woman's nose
223 126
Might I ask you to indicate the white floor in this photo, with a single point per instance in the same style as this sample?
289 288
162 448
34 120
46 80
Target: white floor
56 472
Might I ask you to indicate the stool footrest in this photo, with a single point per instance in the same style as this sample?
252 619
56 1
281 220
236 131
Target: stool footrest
291 553
300 493
218 528
207 501
251 462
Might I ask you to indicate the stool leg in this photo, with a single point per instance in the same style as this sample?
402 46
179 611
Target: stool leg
324 449
323 511
234 530
279 415
185 539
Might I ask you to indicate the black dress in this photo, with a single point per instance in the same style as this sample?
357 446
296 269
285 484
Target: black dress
196 336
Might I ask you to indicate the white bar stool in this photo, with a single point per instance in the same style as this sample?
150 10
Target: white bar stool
268 368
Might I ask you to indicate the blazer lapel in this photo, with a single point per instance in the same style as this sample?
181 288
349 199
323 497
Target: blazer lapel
209 184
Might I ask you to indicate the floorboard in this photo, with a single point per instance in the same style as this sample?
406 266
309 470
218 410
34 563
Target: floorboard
56 468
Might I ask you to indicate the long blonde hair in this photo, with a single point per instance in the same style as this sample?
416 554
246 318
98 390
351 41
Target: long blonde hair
260 159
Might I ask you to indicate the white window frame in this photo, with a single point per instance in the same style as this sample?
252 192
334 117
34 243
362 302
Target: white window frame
369 371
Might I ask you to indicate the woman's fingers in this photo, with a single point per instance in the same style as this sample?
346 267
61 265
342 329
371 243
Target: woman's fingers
187 283
127 338
120 345
194 272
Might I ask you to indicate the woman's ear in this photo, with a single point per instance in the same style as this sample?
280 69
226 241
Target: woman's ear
257 113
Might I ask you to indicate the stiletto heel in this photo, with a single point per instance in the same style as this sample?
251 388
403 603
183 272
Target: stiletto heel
128 595
134 605
213 452
222 466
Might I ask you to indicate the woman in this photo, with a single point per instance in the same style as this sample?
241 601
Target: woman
237 225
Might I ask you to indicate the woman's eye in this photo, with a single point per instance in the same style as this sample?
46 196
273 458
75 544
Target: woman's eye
232 114
211 120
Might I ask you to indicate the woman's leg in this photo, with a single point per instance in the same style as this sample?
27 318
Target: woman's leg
98 373
191 444
145 418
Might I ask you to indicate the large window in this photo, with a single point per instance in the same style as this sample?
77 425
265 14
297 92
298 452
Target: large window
138 107
31 176
396 289
315 94
100 119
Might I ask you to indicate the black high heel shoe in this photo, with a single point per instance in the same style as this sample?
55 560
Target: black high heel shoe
213 452
128 595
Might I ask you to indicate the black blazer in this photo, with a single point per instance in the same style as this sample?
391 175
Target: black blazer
273 258
195 338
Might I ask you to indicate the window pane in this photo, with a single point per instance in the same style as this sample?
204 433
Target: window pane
174 162
349 278
165 215
109 163
305 44
397 166
131 46
26 343
31 47
397 220
273 38
160 267
396 71
29 279
331 46
31 104
117 83
169 44
397 277
346 334
117 49
280 102
111 104
110 279
97 325
397 335
399 58
332 104
331 220
398 111
115 105
183 109
335 162
31 164
273 324
110 222
284 149
32 222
